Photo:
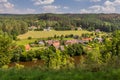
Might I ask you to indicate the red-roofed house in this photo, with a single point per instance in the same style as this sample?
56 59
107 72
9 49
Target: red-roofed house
70 42
49 42
56 44
86 39
27 47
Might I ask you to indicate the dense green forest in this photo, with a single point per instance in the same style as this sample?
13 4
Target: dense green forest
18 24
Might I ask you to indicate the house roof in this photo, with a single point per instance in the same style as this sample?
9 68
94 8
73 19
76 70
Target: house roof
56 44
71 41
49 42
87 39
27 47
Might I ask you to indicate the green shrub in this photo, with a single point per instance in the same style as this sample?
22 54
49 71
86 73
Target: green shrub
19 66
29 38
5 67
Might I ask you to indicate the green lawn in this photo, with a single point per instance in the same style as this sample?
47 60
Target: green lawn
46 34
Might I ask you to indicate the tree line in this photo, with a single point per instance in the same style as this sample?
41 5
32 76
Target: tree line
18 24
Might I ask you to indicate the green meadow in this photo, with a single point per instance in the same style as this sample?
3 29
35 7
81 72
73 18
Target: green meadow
46 34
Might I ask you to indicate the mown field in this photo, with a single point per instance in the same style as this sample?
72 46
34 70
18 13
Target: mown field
46 34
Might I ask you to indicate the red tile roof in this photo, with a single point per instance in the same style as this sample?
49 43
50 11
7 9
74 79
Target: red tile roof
27 47
71 42
56 44
86 39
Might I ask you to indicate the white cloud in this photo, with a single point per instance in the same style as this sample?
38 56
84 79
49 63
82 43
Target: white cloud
5 4
54 9
3 1
78 0
108 3
95 8
84 11
8 5
107 7
50 8
95 0
65 7
19 11
89 0
1 10
42 2
29 10
114 3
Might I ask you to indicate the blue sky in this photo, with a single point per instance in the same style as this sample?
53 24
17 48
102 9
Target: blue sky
59 6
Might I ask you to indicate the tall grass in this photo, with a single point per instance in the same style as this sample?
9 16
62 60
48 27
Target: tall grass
75 74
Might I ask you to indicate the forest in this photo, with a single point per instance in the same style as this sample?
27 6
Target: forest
19 24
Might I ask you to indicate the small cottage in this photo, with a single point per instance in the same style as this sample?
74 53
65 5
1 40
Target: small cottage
47 29
79 28
49 42
41 43
56 44
97 30
70 42
27 47
32 28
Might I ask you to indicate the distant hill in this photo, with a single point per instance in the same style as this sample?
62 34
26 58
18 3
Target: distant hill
16 24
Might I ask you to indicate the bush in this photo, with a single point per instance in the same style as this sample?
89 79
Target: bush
29 38
75 50
5 67
18 66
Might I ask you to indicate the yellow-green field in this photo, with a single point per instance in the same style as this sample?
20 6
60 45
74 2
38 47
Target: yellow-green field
46 34
24 41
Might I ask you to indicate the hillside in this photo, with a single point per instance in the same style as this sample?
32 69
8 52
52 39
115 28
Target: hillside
19 24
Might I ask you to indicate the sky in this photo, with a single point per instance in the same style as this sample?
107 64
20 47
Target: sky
59 6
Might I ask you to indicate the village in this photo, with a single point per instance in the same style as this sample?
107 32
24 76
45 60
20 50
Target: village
59 39
59 42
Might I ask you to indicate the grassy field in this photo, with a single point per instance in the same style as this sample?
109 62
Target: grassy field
24 41
46 34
